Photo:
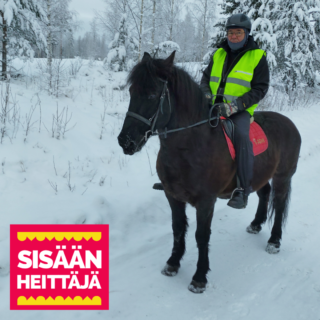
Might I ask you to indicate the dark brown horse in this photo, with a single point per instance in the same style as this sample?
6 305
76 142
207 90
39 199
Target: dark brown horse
194 165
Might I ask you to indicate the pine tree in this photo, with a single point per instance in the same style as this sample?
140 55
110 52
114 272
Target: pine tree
20 26
264 35
262 29
297 41
231 7
315 16
117 55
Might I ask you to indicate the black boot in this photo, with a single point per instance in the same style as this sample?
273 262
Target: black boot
239 200
158 186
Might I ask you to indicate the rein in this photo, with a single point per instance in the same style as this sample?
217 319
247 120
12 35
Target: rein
152 121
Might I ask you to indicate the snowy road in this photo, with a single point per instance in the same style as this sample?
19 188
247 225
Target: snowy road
244 282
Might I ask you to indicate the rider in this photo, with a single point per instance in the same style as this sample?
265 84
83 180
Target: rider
239 71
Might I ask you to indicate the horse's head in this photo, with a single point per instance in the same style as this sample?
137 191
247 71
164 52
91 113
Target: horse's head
150 108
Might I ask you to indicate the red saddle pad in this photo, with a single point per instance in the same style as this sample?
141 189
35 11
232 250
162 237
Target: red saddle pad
257 137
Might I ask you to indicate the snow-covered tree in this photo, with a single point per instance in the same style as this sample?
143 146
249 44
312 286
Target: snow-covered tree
204 13
154 10
171 11
58 23
188 40
262 31
20 29
94 48
297 41
141 18
162 49
117 55
217 35
260 13
315 18
109 18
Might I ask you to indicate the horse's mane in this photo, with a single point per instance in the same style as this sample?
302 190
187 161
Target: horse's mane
189 99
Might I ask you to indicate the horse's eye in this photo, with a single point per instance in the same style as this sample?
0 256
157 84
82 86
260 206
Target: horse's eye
152 96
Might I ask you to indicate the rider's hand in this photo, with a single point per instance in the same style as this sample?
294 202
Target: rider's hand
228 109
208 97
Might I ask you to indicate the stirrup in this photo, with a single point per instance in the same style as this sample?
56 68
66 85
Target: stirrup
240 201
236 189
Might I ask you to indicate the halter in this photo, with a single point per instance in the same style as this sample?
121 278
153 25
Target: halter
152 121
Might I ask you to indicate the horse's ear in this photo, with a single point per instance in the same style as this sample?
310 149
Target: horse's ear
146 57
170 59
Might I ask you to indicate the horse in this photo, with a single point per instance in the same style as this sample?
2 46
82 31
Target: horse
194 164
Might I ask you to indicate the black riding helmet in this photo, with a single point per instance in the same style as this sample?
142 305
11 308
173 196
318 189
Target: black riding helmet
239 20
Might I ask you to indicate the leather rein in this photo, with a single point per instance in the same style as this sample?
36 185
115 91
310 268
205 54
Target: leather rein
153 120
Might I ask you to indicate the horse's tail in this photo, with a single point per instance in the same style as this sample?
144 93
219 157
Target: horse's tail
279 198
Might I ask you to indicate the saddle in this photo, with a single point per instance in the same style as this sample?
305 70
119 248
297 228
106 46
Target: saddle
257 136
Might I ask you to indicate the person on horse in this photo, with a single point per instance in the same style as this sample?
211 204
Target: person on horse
239 73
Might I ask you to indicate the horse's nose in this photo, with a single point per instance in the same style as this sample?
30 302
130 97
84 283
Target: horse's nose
127 144
121 140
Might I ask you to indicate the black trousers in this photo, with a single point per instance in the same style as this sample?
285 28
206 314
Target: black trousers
243 148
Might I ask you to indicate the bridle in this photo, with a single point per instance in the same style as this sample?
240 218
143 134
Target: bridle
153 120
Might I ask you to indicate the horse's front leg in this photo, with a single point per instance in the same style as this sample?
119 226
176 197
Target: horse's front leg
179 226
204 217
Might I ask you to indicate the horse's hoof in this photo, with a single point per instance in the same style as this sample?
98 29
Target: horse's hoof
253 229
170 271
273 248
197 287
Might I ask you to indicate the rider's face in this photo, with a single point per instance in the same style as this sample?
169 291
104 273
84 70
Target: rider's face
236 35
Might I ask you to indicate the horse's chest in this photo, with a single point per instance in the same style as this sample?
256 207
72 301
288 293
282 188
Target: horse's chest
179 173
179 165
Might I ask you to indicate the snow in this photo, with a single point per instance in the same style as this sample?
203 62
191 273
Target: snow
10 8
110 188
165 48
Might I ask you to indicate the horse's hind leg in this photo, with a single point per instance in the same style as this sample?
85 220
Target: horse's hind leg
281 189
179 226
261 215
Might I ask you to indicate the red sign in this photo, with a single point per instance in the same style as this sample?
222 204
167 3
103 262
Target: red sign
59 267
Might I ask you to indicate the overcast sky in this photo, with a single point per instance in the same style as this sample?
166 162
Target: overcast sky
85 9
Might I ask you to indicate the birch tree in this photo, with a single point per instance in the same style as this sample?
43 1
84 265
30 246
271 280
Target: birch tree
154 7
141 26
204 13
58 22
171 11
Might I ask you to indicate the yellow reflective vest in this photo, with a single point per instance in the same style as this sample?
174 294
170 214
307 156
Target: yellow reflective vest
239 79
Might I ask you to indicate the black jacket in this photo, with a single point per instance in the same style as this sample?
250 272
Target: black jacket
260 80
